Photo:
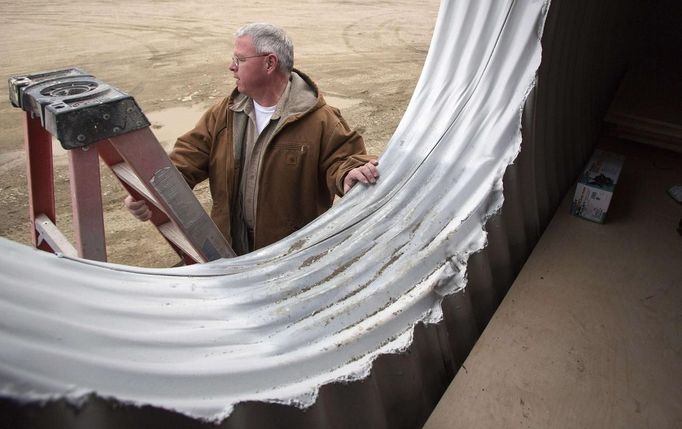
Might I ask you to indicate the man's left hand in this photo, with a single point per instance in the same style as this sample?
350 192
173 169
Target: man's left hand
366 174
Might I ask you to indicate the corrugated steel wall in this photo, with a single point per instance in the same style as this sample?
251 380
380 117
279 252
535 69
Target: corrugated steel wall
586 47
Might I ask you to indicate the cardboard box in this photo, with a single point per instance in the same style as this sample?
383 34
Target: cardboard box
595 186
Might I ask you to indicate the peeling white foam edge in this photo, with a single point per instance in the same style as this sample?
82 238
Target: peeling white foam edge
300 395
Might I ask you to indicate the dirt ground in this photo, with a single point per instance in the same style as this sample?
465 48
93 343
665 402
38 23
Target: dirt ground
172 56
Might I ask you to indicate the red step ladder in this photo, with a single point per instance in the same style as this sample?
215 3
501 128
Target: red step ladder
92 119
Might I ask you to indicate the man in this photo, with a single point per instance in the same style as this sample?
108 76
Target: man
274 152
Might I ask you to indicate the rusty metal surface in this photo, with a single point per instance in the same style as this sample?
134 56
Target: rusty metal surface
341 300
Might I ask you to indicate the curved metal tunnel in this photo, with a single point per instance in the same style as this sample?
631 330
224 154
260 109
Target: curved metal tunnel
362 318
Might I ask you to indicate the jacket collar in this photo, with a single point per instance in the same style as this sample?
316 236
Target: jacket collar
300 97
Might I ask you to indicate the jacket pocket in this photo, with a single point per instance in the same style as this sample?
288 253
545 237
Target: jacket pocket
291 153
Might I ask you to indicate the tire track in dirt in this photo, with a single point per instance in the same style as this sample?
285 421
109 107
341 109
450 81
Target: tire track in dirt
379 26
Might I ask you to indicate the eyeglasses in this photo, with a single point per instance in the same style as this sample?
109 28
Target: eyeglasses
236 60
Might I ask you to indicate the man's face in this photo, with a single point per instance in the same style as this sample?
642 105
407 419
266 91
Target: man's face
250 74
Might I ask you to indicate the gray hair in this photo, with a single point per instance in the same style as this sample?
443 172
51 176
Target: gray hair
267 38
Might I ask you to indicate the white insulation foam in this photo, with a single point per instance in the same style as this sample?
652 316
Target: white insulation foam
316 307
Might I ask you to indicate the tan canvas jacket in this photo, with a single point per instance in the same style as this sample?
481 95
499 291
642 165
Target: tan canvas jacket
303 166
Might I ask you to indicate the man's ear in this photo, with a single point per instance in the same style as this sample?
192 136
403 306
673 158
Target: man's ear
271 62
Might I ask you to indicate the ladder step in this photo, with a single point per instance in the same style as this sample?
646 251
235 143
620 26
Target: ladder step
173 234
148 161
126 174
49 232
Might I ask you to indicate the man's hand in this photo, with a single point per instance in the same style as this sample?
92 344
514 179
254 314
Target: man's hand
366 174
138 209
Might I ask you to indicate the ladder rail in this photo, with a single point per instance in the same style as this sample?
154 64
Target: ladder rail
40 176
149 172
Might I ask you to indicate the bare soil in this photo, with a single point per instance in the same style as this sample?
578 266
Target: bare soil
172 56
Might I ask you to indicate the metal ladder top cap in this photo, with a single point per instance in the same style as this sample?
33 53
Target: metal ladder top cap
75 107
18 84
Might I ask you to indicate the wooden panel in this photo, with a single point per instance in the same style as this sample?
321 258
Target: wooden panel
648 106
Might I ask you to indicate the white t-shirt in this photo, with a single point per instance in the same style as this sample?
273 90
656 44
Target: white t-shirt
263 115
